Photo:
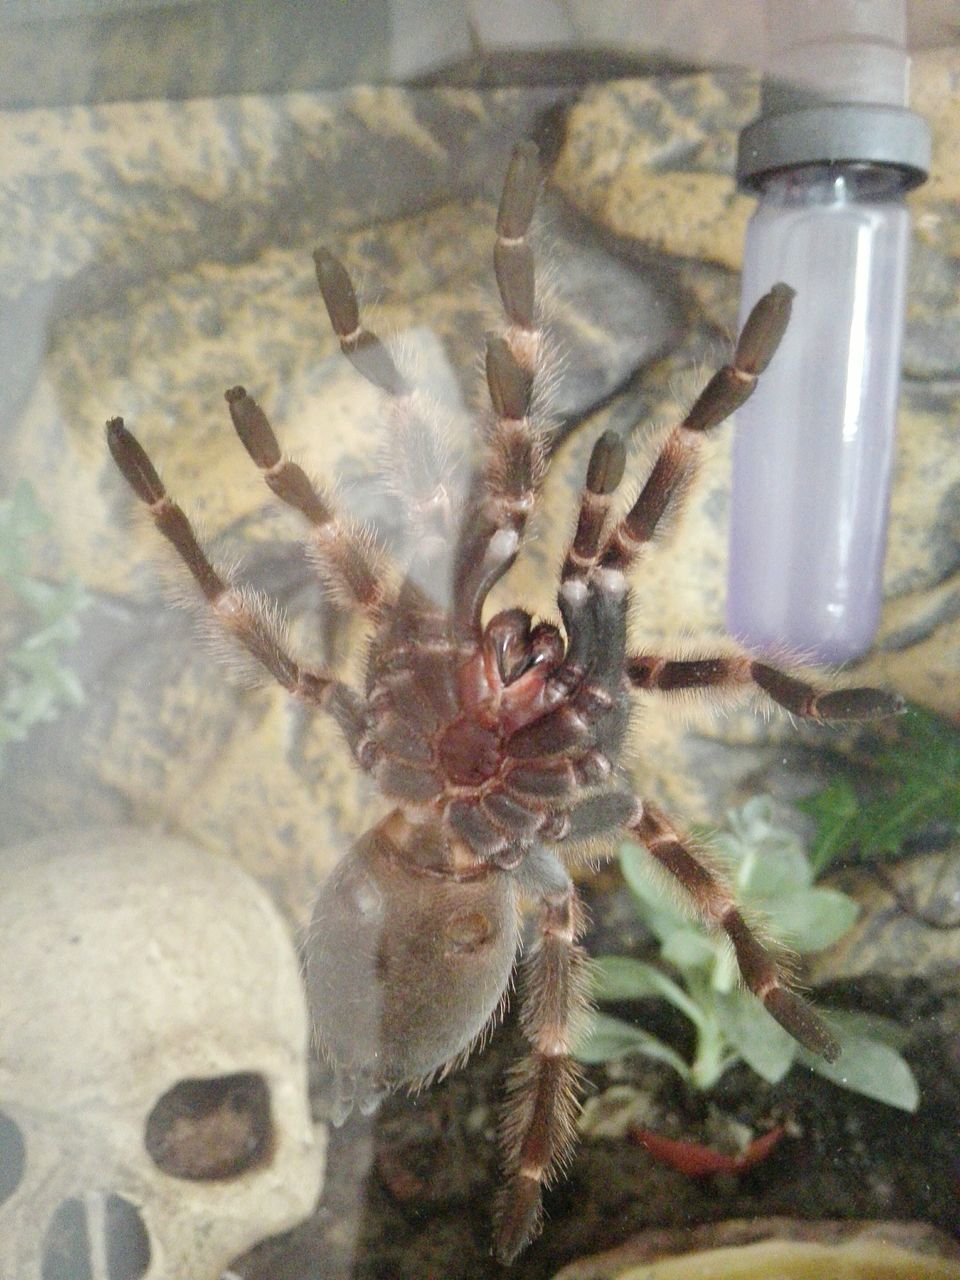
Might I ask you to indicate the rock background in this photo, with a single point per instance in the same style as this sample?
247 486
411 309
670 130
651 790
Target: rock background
152 254
155 253
917 1251
650 161
163 253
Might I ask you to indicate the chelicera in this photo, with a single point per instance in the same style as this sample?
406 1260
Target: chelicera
498 740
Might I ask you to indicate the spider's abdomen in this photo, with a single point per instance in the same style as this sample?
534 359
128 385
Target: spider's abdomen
408 956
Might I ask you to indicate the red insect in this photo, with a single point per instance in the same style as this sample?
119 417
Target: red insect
699 1161
498 740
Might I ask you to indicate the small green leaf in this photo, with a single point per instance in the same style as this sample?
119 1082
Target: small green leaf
778 871
762 1043
68 686
869 1026
620 978
690 948
752 822
646 886
725 975
35 703
869 1067
608 1038
811 919
33 682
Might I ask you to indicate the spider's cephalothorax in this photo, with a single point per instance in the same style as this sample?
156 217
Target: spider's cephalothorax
499 742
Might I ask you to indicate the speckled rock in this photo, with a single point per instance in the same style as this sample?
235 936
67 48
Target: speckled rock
651 161
169 258
909 925
154 254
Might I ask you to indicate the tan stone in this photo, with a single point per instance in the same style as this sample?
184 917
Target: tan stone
177 240
662 186
652 160
908 923
183 276
764 1247
647 160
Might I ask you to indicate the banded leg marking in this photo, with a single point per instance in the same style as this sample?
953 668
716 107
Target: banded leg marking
345 554
799 697
514 462
542 1091
242 614
676 464
714 902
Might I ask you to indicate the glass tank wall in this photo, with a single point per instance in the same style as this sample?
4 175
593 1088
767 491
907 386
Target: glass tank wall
169 814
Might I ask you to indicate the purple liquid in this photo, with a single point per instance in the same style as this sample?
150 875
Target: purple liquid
813 450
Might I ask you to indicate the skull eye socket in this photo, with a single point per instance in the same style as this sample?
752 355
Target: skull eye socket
207 1130
13 1157
67 1251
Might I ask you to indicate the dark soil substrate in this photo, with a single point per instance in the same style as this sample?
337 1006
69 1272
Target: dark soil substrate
409 1192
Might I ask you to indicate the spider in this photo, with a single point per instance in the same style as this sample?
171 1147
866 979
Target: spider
497 741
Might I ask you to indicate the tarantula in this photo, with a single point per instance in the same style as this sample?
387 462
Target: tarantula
497 741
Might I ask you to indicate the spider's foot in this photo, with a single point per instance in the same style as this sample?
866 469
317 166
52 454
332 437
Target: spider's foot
354 1090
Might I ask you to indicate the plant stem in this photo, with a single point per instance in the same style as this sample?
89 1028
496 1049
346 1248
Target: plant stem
712 1055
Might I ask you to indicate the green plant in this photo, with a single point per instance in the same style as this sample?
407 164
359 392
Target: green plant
917 781
774 880
37 619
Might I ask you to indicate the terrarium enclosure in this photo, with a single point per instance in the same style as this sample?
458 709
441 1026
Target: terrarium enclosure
166 173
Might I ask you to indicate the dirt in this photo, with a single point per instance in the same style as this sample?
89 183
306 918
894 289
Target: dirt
409 1191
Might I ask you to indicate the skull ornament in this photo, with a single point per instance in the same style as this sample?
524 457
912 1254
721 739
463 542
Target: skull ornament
153 1093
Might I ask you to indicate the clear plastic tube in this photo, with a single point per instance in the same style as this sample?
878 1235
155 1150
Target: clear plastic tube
814 445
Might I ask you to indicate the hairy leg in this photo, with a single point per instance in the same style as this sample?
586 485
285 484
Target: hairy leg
798 696
713 900
542 1103
514 461
241 614
677 461
420 472
345 553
